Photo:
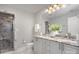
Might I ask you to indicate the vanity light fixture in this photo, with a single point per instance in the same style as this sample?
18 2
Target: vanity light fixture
54 7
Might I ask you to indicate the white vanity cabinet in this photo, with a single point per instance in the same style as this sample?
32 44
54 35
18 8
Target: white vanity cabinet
51 46
38 46
43 46
54 47
69 49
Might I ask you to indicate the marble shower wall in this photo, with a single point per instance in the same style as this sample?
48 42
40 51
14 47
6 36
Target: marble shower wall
6 32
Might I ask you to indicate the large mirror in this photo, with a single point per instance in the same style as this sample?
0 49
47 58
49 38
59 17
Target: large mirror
68 20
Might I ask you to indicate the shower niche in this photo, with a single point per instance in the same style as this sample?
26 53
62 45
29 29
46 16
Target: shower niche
6 32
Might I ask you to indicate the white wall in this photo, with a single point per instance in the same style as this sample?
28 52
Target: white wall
23 24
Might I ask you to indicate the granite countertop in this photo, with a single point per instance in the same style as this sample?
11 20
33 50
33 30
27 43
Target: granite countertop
58 39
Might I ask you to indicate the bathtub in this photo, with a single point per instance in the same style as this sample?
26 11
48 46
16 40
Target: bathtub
27 49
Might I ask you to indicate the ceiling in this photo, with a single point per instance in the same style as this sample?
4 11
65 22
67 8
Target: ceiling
35 8
32 8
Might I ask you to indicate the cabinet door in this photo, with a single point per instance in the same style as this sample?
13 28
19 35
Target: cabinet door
54 47
41 46
68 49
35 46
45 46
38 46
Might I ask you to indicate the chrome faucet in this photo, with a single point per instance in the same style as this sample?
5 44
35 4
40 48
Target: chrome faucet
68 35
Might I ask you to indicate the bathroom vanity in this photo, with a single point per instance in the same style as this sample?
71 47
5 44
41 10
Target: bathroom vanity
47 45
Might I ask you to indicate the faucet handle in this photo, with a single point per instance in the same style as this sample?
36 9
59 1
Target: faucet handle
68 35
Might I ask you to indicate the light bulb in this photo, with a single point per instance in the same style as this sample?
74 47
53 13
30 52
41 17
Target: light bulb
50 8
63 6
46 10
57 8
53 10
49 12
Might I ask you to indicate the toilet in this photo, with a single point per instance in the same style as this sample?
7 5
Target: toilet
29 47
